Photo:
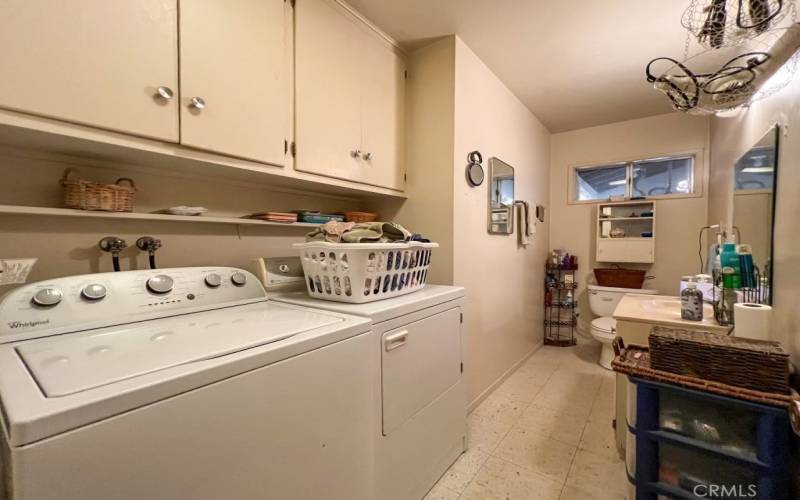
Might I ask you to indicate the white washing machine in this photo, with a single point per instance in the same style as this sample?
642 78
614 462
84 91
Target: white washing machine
421 411
182 384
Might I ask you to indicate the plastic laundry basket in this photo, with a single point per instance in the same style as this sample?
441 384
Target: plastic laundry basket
364 272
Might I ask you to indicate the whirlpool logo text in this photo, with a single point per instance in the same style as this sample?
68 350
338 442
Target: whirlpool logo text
28 324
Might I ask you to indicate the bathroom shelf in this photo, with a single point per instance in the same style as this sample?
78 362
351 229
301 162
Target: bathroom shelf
613 218
69 212
627 238
562 286
560 315
625 218
571 322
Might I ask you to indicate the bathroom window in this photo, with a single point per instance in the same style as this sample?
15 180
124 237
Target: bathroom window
602 182
651 177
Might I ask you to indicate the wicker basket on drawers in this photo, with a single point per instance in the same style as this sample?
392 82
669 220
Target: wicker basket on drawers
88 195
751 364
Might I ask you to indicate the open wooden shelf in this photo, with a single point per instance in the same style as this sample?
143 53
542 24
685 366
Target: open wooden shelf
68 212
602 219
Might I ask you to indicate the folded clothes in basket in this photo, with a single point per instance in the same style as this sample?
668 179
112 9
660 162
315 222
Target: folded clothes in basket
362 232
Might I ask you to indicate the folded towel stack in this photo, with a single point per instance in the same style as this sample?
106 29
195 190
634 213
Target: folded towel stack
275 217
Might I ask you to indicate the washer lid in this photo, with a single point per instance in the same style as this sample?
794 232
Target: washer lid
67 364
605 324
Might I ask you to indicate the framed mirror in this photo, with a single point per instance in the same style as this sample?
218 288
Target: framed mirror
501 197
755 178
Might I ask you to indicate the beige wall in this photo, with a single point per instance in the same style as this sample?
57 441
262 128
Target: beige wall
67 246
429 185
503 281
678 221
457 105
731 137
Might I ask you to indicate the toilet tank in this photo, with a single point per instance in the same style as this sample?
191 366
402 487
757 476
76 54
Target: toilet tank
604 299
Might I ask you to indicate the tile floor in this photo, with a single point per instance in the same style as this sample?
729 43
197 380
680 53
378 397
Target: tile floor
544 434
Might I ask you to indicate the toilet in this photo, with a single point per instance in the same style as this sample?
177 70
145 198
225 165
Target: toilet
602 301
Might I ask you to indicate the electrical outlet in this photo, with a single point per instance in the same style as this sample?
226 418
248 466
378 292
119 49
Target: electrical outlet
15 271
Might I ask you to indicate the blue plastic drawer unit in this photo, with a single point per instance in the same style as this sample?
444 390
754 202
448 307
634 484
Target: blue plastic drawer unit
694 445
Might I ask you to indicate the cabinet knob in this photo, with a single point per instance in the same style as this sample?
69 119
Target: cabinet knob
368 156
197 103
164 93
356 153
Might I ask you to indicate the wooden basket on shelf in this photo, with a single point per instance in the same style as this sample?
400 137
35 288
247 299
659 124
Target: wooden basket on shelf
751 364
618 277
360 216
88 195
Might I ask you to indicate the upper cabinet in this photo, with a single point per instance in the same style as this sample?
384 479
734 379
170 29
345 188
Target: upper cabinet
349 97
234 77
265 81
109 64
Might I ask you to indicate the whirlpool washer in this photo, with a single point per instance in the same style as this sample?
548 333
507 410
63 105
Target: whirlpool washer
182 384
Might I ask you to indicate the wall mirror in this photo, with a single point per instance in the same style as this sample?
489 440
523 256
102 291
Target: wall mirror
501 197
755 176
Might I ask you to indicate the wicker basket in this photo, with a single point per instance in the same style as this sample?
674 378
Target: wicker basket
752 364
634 361
360 216
87 195
619 278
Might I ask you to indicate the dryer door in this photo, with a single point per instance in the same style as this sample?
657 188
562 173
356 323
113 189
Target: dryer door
420 361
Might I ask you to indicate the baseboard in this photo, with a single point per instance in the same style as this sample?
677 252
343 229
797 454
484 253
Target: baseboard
502 378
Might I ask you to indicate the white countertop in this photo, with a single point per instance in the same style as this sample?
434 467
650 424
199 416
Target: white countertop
663 310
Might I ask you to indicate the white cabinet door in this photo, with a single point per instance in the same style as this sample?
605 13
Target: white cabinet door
92 62
420 361
327 90
233 58
632 250
383 113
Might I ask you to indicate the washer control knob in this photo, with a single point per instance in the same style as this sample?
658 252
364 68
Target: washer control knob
95 291
160 283
213 280
48 297
238 278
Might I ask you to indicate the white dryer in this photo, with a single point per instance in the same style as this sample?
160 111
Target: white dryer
182 384
421 411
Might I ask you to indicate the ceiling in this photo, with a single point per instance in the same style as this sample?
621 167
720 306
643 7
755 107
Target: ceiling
574 64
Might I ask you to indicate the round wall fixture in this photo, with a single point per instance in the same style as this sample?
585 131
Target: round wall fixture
475 173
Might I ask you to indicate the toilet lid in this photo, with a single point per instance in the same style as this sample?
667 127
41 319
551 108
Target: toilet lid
606 324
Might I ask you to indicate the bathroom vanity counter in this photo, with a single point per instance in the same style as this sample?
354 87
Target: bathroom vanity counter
661 310
636 315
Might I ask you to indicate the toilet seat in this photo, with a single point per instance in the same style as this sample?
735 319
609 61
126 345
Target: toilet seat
605 327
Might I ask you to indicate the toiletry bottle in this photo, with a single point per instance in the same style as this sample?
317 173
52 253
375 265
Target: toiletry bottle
730 258
746 266
568 299
729 299
692 303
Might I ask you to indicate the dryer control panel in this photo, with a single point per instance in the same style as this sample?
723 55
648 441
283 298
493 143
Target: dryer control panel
88 301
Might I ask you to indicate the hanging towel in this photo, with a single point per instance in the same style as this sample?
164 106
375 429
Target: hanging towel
526 228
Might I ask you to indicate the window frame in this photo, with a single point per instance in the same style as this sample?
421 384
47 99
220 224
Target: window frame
697 176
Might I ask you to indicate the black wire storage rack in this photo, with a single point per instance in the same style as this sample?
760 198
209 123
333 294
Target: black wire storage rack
560 305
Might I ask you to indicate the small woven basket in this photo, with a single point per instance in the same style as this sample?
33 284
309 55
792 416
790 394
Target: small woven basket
360 216
87 195
752 364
